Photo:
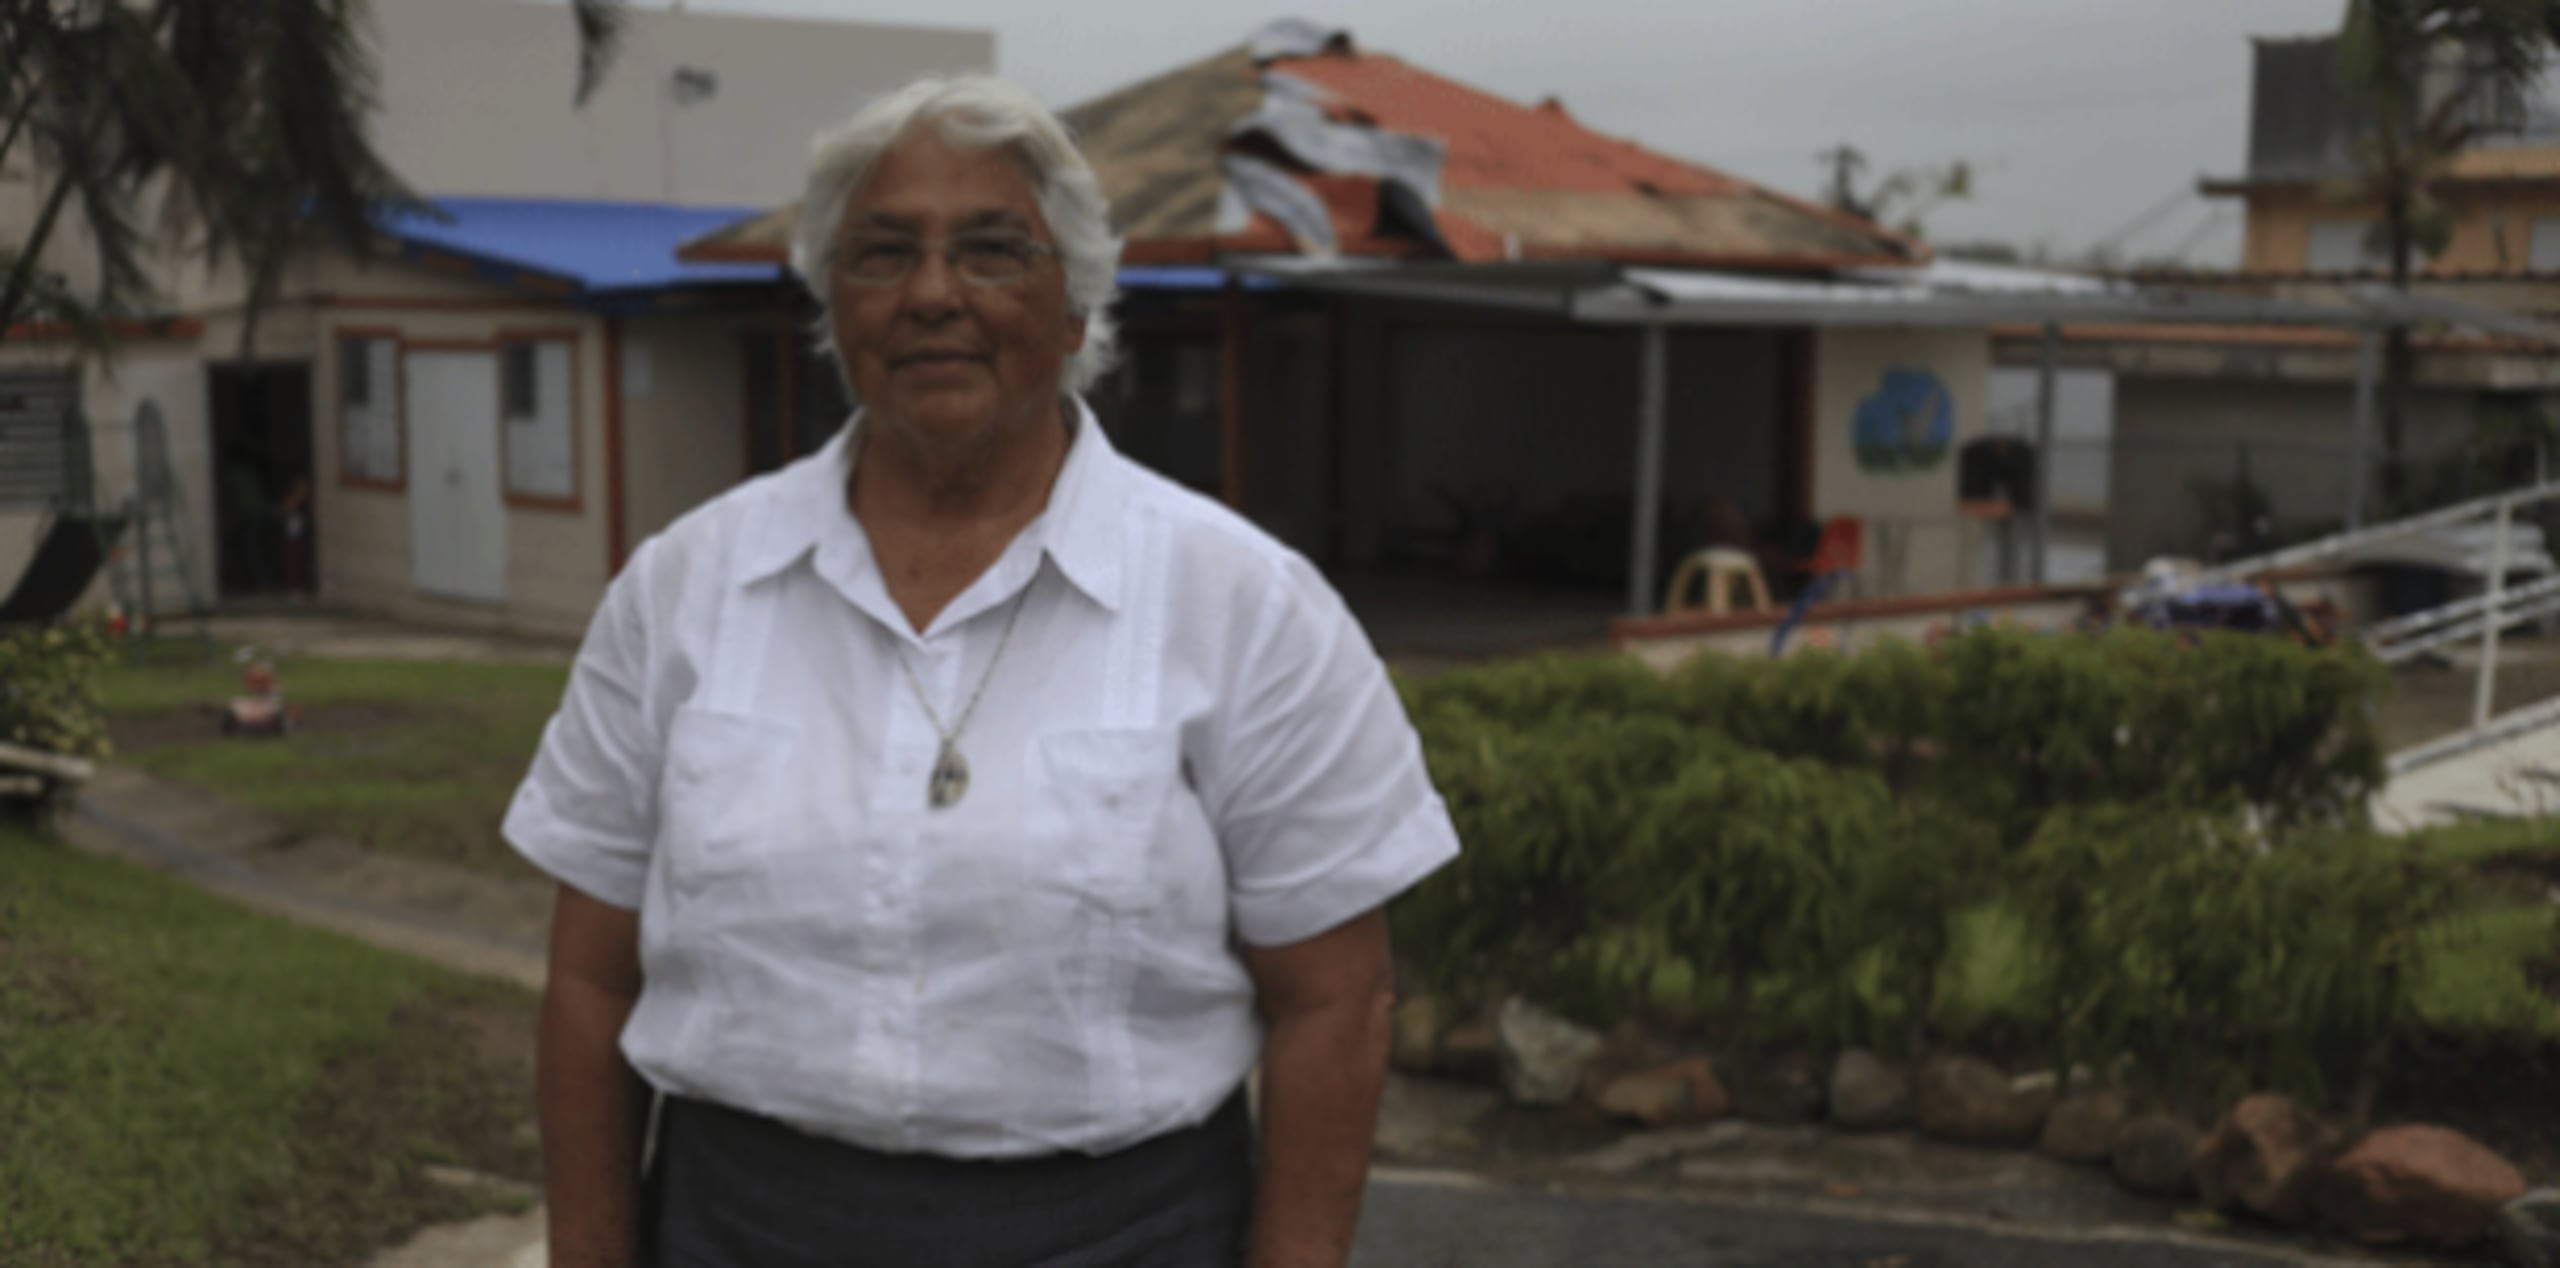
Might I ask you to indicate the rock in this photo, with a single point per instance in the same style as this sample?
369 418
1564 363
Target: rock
2529 1228
1419 1024
2153 1153
1967 1099
1682 1091
1783 1091
2415 1183
2082 1126
1867 1093
1543 1055
2262 1156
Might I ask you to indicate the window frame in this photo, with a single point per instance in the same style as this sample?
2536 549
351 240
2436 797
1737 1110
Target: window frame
510 344
397 406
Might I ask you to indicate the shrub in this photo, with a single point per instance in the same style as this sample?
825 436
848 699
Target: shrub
1543 811
2182 938
2076 847
48 689
1740 882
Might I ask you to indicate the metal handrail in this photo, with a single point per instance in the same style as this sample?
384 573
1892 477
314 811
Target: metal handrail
2401 626
2337 544
2508 618
2483 616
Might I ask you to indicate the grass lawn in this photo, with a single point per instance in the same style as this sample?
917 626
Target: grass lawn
184 1082
413 757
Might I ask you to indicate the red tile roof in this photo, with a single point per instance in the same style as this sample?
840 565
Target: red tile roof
1498 144
1526 182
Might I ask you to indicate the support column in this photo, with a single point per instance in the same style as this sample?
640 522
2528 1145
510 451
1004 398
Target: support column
2484 692
2360 430
1651 406
615 529
1234 348
2047 370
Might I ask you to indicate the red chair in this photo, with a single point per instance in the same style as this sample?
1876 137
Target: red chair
1840 547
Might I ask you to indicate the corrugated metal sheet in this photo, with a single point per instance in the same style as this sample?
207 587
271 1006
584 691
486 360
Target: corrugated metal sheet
1946 293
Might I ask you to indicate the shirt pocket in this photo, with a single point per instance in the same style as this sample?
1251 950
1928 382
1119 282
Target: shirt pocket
719 795
1103 795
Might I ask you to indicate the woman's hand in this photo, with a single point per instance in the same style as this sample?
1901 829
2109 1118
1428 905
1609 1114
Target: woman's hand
594 1106
1328 1004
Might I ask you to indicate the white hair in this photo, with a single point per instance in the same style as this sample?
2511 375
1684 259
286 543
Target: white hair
973 112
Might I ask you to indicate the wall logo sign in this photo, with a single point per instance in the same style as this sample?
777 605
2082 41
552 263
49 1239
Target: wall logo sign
1907 424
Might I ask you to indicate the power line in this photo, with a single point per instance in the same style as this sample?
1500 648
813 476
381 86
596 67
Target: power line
2143 221
2220 217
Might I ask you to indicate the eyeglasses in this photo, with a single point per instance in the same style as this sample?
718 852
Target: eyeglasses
982 259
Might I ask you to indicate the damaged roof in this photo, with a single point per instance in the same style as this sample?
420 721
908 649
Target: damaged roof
1301 143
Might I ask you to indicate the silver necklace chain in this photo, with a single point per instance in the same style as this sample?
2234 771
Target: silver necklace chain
951 735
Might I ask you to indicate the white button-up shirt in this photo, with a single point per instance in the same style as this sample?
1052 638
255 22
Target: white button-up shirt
1188 742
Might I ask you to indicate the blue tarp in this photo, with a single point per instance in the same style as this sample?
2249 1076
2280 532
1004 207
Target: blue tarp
613 249
1140 277
598 247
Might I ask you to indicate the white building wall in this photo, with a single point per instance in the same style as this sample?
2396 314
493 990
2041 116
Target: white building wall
1914 539
477 98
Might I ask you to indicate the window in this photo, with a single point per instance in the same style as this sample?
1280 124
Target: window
2542 255
355 378
516 378
2345 246
537 404
368 409
38 466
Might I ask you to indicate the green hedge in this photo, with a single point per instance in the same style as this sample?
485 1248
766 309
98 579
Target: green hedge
49 688
2074 848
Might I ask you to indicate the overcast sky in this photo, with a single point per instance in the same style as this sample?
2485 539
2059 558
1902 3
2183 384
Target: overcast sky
2079 115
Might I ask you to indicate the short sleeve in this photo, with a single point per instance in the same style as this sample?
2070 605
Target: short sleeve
1313 776
587 811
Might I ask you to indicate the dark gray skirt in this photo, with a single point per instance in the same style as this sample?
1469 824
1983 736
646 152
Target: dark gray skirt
728 1189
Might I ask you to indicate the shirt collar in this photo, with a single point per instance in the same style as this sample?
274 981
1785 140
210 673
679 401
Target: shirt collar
1080 529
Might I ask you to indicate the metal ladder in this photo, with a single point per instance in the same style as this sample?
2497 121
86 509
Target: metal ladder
155 563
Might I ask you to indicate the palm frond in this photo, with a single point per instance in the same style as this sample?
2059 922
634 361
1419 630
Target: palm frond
600 28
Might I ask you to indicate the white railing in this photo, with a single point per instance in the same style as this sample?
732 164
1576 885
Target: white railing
2482 617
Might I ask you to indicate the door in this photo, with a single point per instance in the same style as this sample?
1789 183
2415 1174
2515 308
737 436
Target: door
457 521
265 538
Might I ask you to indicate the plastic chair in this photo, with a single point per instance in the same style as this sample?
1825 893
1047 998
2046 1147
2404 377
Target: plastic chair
1727 577
1842 545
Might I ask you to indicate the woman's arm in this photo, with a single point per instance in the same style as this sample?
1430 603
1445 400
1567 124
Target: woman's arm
1327 1004
594 1106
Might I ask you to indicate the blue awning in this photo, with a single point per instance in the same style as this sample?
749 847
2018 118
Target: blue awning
1148 277
618 255
592 252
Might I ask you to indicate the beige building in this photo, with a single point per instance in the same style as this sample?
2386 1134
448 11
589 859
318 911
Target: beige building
2312 222
490 414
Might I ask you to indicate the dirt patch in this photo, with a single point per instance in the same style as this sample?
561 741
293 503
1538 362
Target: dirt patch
450 1084
324 726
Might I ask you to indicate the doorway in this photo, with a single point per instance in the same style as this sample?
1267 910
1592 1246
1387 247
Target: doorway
266 538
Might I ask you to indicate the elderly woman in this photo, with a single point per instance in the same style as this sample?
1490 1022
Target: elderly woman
948 823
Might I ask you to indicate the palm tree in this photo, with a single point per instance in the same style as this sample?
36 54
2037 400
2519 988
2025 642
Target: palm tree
2391 55
231 122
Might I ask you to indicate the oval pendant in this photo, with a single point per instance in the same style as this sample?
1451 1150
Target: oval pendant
950 780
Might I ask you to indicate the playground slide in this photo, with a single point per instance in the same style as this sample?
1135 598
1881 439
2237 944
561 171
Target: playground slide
66 564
